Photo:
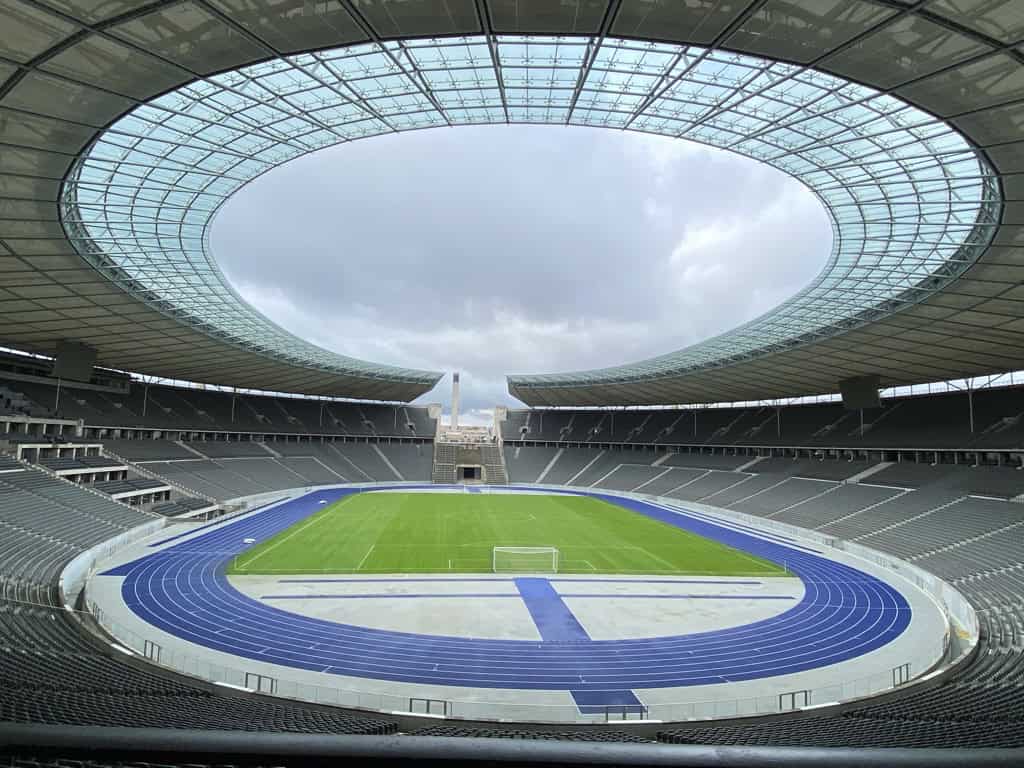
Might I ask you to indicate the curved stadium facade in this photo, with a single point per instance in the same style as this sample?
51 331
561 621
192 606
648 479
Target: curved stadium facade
125 126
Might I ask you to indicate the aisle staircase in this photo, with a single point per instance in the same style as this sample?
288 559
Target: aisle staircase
494 465
449 456
444 462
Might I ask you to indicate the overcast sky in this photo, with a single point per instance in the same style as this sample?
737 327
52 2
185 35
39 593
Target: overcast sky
517 249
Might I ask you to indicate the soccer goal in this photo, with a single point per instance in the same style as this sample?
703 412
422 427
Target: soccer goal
525 560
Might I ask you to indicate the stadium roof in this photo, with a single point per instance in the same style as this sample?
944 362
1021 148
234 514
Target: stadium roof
120 141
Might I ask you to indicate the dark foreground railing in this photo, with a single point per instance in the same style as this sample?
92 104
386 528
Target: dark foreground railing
44 743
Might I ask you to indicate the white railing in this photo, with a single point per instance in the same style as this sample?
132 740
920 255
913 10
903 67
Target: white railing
75 573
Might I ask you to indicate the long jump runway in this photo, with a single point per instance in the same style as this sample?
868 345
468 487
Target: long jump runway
844 613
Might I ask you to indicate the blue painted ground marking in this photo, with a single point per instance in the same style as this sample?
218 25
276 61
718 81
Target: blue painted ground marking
553 618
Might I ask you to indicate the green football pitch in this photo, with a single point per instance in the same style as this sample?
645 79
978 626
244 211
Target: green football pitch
391 532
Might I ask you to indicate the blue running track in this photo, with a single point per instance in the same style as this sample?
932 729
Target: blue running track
843 614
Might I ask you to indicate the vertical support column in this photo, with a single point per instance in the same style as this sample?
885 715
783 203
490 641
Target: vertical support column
970 403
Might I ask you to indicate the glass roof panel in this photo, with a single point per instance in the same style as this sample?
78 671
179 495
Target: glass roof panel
912 204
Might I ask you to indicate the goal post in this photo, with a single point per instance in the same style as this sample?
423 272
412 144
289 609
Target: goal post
524 560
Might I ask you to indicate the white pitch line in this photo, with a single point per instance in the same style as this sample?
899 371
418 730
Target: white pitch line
655 557
751 558
315 519
360 566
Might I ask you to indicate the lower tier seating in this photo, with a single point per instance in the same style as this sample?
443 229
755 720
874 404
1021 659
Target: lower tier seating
296 465
51 673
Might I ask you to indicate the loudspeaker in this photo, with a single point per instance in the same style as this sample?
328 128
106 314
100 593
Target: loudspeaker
860 392
74 361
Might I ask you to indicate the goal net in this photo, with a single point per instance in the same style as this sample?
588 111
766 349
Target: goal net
525 560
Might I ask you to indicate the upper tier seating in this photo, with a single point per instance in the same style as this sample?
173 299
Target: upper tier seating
177 408
147 450
929 421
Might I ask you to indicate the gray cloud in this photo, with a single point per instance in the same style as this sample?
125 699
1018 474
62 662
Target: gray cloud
520 249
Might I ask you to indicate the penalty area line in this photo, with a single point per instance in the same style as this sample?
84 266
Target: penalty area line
360 566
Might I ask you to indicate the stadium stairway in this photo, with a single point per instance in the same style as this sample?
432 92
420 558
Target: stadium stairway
443 470
494 464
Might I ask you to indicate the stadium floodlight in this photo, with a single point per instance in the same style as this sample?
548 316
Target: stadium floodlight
524 560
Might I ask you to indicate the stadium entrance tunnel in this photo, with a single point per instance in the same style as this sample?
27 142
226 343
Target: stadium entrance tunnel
561 647
913 205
